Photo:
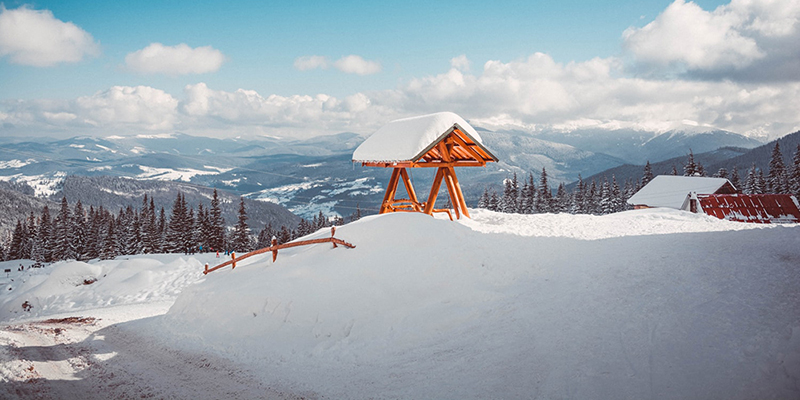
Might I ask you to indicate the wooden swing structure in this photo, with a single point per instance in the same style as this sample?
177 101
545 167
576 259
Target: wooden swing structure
442 141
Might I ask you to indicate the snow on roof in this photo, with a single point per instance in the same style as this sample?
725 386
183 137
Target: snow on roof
670 190
405 139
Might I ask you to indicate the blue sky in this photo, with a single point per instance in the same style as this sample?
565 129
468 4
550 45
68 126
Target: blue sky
409 57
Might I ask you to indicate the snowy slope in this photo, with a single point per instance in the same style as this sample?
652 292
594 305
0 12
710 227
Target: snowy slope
629 306
640 304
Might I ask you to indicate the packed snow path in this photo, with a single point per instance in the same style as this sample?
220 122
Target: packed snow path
90 358
653 304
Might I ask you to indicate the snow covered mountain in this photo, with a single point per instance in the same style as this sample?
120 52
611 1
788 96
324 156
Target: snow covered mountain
637 147
308 176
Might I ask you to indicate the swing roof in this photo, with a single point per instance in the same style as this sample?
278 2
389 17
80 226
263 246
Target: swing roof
415 140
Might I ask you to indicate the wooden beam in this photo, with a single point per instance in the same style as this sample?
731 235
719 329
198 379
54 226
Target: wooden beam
391 188
437 183
468 148
459 193
410 189
448 181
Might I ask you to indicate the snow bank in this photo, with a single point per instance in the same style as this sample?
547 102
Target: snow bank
77 286
635 305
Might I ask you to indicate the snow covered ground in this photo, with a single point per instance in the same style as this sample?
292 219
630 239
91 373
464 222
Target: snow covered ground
640 304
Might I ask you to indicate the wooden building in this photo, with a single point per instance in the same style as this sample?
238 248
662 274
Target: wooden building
442 141
671 190
758 208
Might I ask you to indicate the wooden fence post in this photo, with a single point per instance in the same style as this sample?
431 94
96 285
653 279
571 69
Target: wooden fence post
274 248
233 257
205 272
333 232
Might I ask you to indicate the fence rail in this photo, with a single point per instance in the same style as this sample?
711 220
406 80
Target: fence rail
275 247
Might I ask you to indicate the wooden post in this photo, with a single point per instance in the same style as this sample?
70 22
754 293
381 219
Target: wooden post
233 257
333 232
205 272
391 189
459 193
274 248
448 181
437 182
412 195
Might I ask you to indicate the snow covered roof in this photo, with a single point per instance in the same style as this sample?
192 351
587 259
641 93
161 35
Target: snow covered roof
408 139
671 190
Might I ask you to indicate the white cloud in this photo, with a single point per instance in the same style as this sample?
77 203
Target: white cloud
744 40
354 64
174 60
306 63
37 38
460 63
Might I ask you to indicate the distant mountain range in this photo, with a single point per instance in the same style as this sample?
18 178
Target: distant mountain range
308 176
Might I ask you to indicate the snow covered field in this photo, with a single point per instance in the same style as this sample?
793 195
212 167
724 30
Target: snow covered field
641 304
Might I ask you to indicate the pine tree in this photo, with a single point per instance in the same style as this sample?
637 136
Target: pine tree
577 197
617 202
110 247
44 237
177 226
794 177
17 239
544 199
494 202
561 203
529 196
508 201
217 238
674 171
776 178
648 174
284 235
265 237
761 183
79 232
93 234
62 244
161 233
750 182
690 168
735 181
241 232
32 229
606 201
483 201
722 173
593 199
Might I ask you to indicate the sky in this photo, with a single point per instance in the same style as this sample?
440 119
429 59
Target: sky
306 68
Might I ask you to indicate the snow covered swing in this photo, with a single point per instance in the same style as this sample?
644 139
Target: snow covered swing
442 140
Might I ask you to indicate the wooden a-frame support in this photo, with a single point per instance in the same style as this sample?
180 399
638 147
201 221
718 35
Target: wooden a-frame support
446 174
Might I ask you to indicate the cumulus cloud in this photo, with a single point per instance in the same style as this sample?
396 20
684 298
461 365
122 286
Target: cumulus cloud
460 63
37 38
119 108
748 40
354 64
174 60
306 63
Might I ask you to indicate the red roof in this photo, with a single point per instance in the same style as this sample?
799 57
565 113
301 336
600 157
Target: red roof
759 208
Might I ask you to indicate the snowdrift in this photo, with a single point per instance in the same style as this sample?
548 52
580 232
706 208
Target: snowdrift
72 286
645 304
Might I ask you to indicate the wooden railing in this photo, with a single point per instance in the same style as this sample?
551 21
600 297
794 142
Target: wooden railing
275 247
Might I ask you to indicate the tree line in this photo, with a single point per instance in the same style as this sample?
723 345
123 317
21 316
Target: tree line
608 197
80 234
531 198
